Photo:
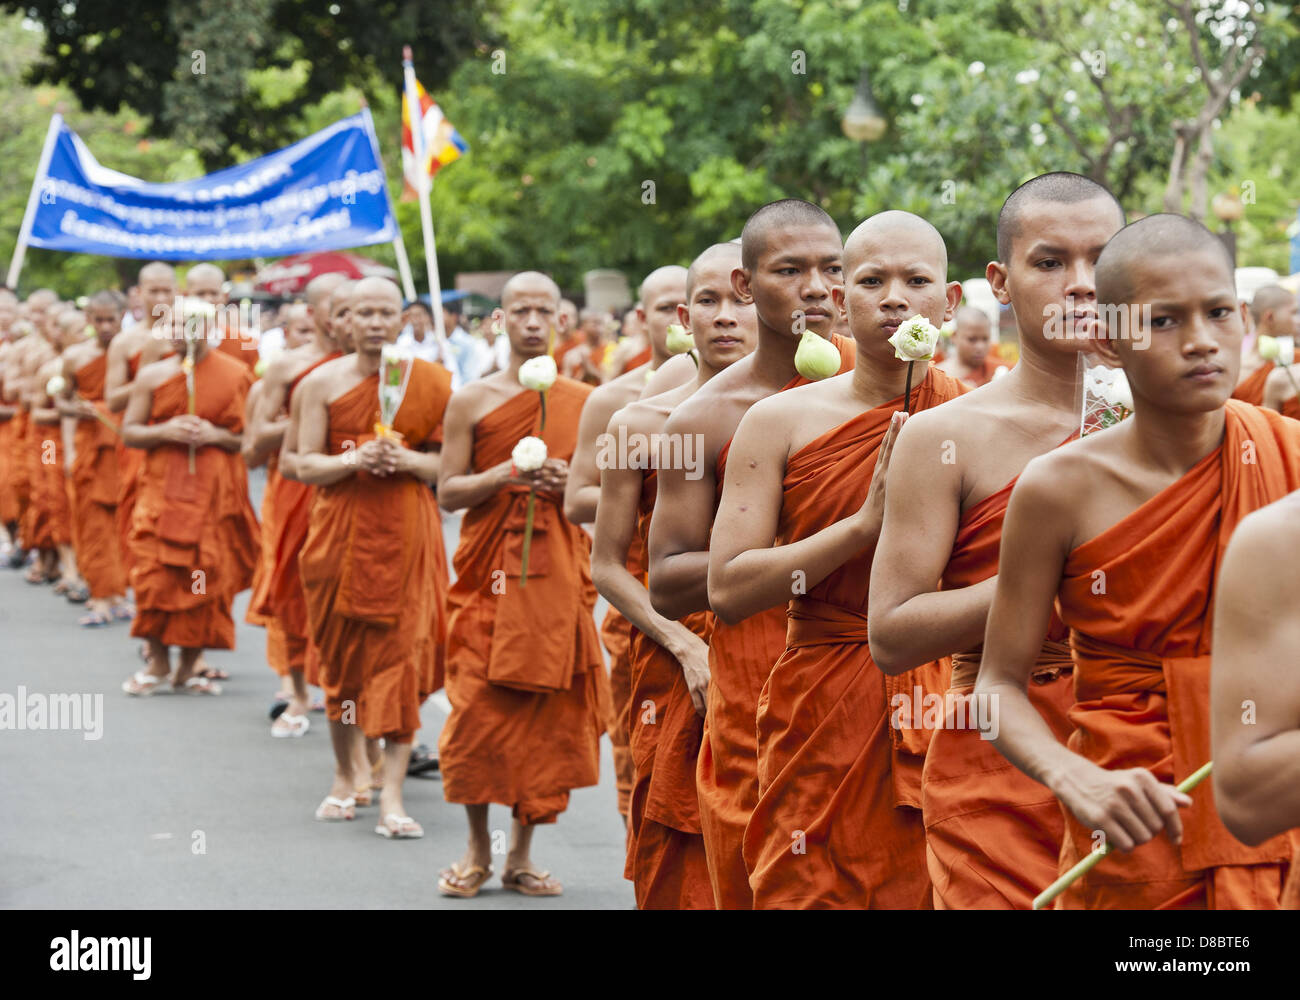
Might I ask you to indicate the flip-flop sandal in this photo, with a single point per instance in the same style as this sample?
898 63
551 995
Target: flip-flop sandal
94 619
36 577
395 827
77 594
297 726
278 708
511 880
423 760
476 876
142 685
330 802
214 674
198 685
123 612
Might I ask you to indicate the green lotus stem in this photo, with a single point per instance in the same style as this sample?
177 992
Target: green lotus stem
101 418
543 427
1087 864
695 359
907 392
528 537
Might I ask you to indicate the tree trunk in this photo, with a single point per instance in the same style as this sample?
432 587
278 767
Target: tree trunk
1198 173
1174 187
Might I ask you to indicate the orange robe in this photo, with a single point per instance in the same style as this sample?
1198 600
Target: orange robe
18 476
665 858
128 476
643 357
525 676
993 834
1251 388
616 633
10 511
239 345
49 510
95 487
1142 671
370 567
984 374
194 537
278 596
1291 407
838 819
740 658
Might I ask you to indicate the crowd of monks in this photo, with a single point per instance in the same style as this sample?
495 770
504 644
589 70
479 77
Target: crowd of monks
900 637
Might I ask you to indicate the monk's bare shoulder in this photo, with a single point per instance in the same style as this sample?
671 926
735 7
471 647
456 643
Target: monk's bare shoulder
288 365
81 354
1264 541
157 372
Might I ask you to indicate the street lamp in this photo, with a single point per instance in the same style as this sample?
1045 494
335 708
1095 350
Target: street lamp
1227 208
862 121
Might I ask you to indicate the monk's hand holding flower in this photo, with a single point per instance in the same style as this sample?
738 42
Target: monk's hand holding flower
529 458
916 340
373 457
1129 806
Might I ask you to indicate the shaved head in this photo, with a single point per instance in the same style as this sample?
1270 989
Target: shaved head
885 228
1154 238
321 287
719 253
773 218
205 272
341 292
970 316
157 270
659 279
1061 187
378 286
1268 298
530 281
109 298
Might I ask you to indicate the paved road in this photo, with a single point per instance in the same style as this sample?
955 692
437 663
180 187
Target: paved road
116 822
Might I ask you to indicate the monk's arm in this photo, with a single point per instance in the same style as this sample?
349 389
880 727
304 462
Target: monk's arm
679 537
265 432
677 370
288 466
911 621
582 492
1129 806
312 465
137 432
458 488
1254 686
117 385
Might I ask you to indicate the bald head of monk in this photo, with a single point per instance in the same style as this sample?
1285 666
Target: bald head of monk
104 313
971 336
39 304
318 293
725 329
8 311
530 308
570 312
340 315
157 284
298 326
1275 312
68 329
1167 291
206 281
895 267
663 290
790 259
376 315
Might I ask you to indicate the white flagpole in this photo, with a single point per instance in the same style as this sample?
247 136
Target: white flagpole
416 122
404 266
29 217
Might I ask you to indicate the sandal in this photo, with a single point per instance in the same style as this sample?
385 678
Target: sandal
213 674
197 684
63 586
475 876
94 619
545 885
395 827
344 806
423 760
77 593
37 576
142 685
290 726
278 707
123 612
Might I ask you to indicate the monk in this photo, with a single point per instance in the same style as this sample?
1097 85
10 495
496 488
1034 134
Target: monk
525 676
669 668
838 818
972 362
95 467
10 510
663 290
1256 643
1273 312
586 362
278 597
633 348
194 536
369 565
30 346
790 263
572 338
207 282
1124 530
1277 315
992 836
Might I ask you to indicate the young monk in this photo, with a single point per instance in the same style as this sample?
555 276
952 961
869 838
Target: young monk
838 818
1273 311
790 262
278 598
370 562
207 283
10 509
1124 530
194 536
95 467
992 836
13 388
1254 689
669 666
1277 315
663 290
524 671
972 362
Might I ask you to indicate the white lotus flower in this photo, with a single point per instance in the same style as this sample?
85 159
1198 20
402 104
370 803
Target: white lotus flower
529 454
679 340
1286 351
538 374
915 340
56 385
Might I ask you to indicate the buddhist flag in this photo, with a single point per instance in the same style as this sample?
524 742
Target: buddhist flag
442 143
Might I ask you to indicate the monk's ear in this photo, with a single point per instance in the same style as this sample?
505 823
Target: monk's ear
996 273
498 316
561 322
640 313
683 316
953 292
1247 321
740 284
1102 343
837 296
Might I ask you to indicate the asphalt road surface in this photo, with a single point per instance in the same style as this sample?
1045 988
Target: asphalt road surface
187 802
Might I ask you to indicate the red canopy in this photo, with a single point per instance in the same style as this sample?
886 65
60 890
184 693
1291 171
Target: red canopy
289 276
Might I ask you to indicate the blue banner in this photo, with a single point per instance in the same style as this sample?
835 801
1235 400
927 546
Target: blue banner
327 192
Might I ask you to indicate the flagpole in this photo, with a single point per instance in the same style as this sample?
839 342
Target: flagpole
29 217
404 265
416 123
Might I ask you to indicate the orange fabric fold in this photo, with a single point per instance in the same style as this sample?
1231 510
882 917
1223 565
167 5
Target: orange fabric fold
49 511
1142 669
525 675
370 567
642 357
241 346
1251 389
10 507
194 536
740 658
838 820
96 485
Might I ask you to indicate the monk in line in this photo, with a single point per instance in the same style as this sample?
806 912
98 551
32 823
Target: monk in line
278 598
992 836
15 376
194 536
207 283
98 449
669 660
369 565
1256 740
525 675
1273 311
838 818
1124 530
790 262
1277 315
663 290
972 361
10 509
